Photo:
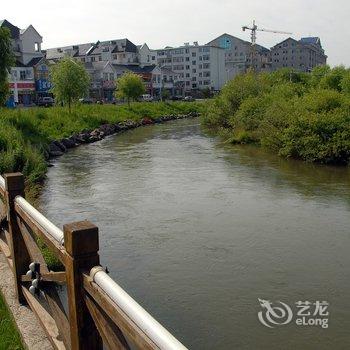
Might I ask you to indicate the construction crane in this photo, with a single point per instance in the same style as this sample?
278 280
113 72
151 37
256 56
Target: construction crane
254 28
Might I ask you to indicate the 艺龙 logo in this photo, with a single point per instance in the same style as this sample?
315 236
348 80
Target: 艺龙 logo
307 313
274 315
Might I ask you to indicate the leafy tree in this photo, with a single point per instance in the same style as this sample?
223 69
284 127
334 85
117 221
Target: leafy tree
70 81
332 80
129 86
318 73
6 61
345 83
165 94
206 93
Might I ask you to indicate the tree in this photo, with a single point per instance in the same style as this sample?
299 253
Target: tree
6 61
70 81
165 94
129 86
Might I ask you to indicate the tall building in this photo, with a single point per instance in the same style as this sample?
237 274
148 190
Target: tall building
26 45
239 55
196 66
302 55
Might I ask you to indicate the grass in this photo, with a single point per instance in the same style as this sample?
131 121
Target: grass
26 133
9 335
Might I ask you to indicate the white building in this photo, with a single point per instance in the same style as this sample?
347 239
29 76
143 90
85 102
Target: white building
26 44
197 67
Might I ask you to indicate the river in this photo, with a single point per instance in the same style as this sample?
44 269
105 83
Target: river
197 231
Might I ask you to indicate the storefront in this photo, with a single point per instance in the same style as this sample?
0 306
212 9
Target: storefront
23 93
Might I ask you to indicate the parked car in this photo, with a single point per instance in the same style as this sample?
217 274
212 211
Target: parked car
189 99
86 101
176 98
46 102
146 98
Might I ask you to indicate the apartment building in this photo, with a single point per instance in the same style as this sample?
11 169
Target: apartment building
302 55
196 66
120 51
26 45
239 55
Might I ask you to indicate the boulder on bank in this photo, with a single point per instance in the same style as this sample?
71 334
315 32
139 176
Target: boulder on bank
68 143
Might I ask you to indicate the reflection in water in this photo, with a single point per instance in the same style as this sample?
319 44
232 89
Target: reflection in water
197 231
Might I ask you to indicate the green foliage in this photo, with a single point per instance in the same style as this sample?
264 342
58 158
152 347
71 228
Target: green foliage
6 61
165 94
9 336
25 134
294 114
70 81
129 86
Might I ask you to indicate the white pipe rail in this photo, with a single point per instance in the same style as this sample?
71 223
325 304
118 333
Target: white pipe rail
40 219
153 329
2 182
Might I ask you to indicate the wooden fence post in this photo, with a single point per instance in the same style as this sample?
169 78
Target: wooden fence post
81 243
14 184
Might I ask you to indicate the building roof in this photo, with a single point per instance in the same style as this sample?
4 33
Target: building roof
310 40
15 31
34 61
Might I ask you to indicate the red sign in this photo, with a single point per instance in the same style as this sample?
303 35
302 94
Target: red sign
23 86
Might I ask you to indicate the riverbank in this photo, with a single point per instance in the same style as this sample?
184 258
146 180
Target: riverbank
296 115
27 136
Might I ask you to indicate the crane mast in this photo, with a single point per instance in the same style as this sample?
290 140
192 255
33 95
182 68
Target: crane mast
253 29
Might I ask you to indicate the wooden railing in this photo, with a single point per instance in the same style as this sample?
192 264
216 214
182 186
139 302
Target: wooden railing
99 313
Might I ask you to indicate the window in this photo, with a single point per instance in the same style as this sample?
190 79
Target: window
193 54
206 74
200 74
187 75
37 47
206 65
153 58
193 63
187 83
99 58
193 78
105 76
193 70
92 59
194 86
111 76
206 82
206 49
187 67
206 58
22 75
187 59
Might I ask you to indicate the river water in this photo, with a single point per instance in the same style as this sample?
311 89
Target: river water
197 232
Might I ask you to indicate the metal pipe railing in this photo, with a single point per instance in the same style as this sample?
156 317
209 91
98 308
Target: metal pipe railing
40 219
153 329
2 183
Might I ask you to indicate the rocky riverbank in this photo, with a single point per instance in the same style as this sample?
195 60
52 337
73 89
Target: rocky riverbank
58 147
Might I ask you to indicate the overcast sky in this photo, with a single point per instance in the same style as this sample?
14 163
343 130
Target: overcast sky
162 23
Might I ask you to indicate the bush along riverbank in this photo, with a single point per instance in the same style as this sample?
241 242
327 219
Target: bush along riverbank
29 137
299 115
59 147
